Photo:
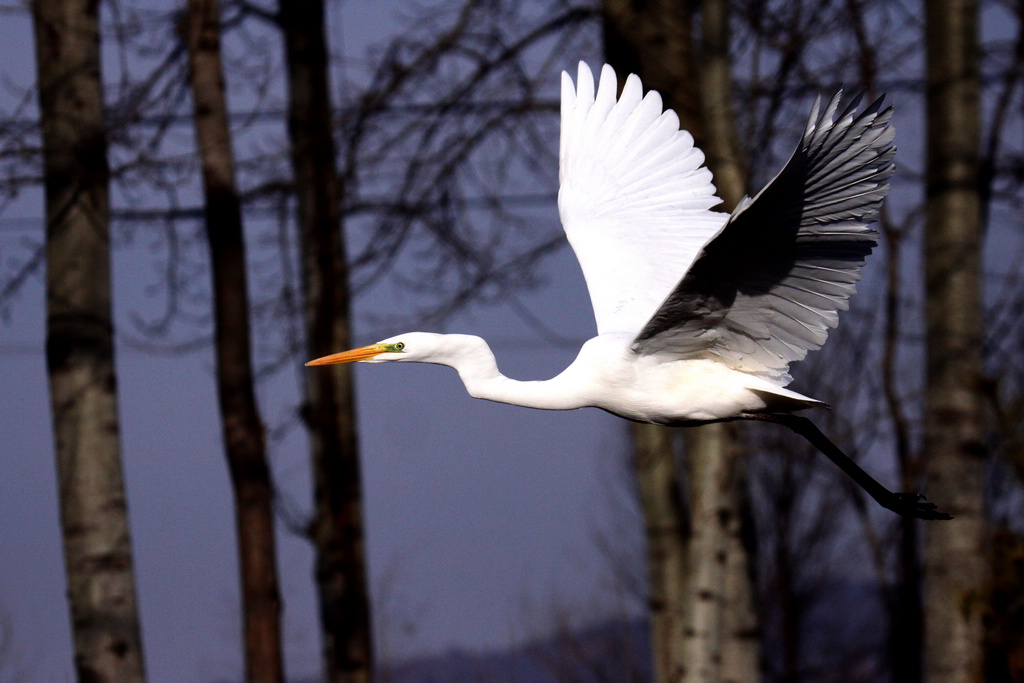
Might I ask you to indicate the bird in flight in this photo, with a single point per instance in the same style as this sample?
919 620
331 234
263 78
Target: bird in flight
699 313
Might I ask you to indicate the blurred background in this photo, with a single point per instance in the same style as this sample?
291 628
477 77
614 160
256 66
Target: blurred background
198 197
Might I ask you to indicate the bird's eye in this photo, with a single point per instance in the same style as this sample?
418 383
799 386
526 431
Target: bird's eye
399 346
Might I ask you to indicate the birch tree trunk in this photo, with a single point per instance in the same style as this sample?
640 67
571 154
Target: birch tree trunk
653 40
720 141
711 465
957 568
740 632
244 438
337 527
666 531
80 344
702 620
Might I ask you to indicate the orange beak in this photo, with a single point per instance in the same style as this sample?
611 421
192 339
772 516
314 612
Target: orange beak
362 353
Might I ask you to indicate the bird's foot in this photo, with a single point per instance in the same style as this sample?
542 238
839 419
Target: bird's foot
915 505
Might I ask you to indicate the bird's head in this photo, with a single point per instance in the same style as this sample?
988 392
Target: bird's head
423 347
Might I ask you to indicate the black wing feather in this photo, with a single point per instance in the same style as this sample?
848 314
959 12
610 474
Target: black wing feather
767 288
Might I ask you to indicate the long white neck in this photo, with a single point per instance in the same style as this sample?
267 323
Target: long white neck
475 363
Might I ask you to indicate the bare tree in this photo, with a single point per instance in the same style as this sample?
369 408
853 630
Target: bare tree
432 141
629 33
880 61
435 143
80 344
1004 656
700 591
724 153
337 524
704 626
244 438
957 565
739 629
1002 188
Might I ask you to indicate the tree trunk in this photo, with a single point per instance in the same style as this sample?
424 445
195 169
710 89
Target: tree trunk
905 642
957 568
244 439
337 527
702 619
720 143
740 649
654 39
80 344
666 532
712 518
722 626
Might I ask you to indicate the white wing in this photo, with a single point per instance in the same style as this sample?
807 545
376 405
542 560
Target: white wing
766 290
634 197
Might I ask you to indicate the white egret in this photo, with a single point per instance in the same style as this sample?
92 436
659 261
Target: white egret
699 313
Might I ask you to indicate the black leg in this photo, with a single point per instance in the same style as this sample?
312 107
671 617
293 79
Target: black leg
906 504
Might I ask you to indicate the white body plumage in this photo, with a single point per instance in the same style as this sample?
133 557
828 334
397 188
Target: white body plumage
606 374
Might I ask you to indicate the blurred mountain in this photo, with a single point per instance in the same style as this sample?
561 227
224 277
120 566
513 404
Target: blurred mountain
611 651
842 641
